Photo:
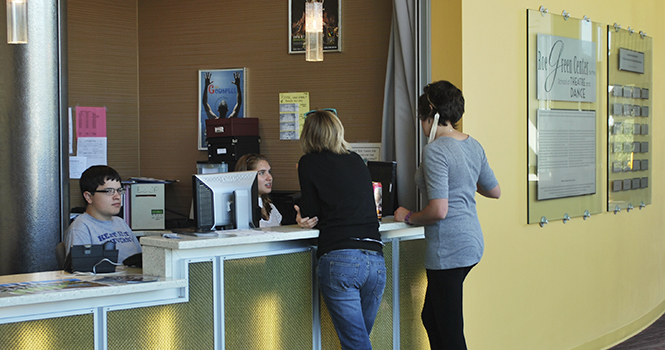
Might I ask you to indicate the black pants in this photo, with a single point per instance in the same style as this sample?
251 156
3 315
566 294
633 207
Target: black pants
442 312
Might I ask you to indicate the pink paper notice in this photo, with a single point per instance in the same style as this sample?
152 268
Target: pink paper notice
90 121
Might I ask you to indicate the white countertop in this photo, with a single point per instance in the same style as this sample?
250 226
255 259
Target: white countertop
29 294
263 235
33 288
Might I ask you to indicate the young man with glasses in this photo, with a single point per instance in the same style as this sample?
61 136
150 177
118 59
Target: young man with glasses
102 191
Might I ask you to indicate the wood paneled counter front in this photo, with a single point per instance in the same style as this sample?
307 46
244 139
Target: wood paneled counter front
240 289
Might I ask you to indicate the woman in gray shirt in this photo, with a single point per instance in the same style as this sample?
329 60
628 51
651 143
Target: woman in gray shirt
454 168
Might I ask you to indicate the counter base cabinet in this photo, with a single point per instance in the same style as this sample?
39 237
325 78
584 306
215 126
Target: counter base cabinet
412 287
262 295
69 332
268 302
187 325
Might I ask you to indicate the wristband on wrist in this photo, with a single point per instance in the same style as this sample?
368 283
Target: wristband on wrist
407 217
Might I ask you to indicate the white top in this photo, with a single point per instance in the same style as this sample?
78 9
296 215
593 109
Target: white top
275 218
16 303
389 229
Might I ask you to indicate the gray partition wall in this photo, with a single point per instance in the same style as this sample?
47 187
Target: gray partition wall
33 143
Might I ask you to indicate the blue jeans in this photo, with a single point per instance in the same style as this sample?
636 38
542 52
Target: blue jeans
351 283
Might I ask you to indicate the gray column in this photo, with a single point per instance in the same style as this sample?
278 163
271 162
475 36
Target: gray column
34 194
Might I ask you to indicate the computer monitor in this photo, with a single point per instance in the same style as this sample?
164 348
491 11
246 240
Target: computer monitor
226 200
386 174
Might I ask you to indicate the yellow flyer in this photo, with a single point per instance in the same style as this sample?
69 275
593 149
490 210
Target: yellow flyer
292 109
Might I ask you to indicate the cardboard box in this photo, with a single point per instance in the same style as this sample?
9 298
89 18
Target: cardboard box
225 127
230 149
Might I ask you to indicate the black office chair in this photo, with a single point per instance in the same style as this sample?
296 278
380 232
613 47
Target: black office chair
60 254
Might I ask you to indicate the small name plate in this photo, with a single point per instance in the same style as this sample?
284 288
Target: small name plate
631 61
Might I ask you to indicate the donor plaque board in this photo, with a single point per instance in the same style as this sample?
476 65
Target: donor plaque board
564 68
629 116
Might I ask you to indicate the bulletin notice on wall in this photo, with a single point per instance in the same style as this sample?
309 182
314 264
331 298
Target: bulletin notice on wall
566 153
292 109
91 140
368 151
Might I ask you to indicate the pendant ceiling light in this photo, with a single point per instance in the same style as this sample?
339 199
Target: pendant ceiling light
17 21
314 31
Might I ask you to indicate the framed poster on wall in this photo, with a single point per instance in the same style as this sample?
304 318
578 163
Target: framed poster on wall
221 95
564 62
332 26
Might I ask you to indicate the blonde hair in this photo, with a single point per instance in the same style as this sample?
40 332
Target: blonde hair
323 131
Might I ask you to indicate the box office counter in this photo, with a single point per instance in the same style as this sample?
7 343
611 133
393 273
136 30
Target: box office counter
58 310
239 290
161 254
266 288
23 290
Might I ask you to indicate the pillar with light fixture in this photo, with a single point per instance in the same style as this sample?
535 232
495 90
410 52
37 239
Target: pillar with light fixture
34 169
17 21
314 31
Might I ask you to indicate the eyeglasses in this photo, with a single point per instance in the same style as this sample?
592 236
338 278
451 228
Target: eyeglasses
322 109
111 191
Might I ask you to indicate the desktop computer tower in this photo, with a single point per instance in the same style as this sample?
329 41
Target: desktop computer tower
146 206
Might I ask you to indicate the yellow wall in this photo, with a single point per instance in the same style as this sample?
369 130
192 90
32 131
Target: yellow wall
585 284
448 36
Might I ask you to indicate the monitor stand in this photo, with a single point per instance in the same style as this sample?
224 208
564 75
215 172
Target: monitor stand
198 232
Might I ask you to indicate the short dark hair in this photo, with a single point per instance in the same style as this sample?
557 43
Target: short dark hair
96 176
442 97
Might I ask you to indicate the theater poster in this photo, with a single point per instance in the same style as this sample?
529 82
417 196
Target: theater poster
221 95
332 26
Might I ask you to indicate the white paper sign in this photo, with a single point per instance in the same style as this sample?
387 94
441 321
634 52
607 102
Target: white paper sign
566 153
77 166
566 69
368 151
93 149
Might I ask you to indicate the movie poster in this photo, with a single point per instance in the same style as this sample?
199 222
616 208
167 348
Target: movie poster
221 95
331 26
